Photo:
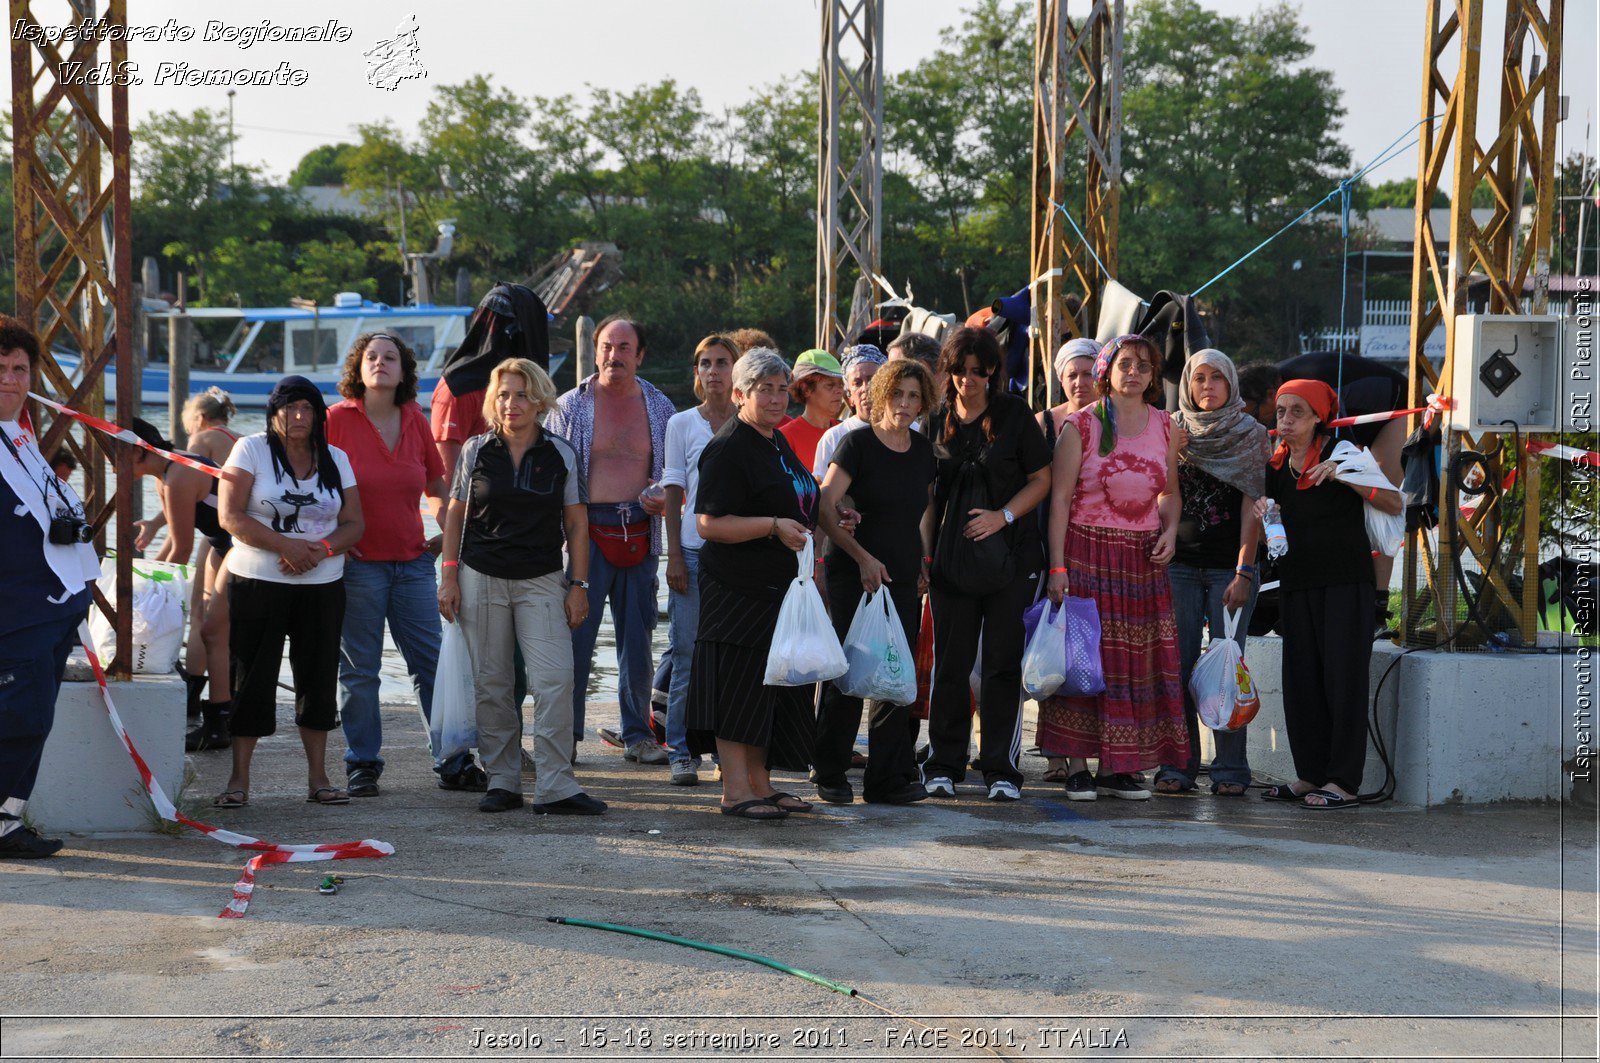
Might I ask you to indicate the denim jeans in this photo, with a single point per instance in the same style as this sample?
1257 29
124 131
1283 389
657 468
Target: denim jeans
1197 604
632 591
683 620
404 594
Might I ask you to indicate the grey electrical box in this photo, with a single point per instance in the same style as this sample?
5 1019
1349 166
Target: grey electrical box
1507 367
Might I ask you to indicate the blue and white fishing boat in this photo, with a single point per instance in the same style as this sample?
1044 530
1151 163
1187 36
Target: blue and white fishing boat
265 343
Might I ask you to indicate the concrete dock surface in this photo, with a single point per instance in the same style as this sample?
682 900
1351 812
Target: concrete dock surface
1193 927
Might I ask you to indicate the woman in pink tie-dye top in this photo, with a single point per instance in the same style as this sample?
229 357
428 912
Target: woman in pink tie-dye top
1113 529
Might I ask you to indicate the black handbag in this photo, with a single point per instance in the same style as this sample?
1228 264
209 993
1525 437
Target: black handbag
963 565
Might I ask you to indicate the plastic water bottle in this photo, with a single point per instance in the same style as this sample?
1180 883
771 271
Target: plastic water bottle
1277 538
653 493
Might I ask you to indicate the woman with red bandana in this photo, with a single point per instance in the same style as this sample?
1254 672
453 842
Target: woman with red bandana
1326 593
1114 512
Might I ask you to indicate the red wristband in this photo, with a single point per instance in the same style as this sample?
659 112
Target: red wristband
1372 494
326 546
452 564
1055 570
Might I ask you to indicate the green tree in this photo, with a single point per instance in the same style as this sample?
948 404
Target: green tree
325 164
1578 199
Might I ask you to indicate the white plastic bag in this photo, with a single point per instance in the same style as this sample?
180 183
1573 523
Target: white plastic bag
1224 694
1044 662
453 728
1357 467
157 623
804 648
879 656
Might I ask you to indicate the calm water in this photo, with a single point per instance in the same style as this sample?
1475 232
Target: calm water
396 681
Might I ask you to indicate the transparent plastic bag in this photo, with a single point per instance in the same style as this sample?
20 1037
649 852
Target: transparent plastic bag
453 728
1044 662
1224 694
879 655
804 648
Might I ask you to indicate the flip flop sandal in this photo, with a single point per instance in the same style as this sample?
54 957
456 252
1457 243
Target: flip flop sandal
758 808
776 797
1329 800
230 799
336 796
1056 775
1282 792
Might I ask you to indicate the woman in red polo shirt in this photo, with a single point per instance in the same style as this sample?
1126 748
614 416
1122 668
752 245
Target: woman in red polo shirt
389 574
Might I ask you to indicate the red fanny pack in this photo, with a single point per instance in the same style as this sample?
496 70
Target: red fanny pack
622 545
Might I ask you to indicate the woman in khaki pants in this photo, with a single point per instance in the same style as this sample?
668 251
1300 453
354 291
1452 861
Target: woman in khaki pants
516 501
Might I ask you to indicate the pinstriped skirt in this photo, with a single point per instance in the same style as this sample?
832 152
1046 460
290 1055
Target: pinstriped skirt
727 698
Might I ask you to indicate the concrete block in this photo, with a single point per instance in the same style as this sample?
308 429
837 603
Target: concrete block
1460 727
87 781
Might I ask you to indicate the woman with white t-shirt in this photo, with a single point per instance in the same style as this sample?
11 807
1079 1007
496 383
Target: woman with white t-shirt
289 500
687 435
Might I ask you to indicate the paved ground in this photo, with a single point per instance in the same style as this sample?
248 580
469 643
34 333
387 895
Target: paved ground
1181 928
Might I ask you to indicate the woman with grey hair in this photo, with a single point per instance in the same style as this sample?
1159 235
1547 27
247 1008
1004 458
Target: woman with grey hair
756 506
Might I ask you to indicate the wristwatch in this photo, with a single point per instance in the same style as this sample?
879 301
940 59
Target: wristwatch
571 583
1011 518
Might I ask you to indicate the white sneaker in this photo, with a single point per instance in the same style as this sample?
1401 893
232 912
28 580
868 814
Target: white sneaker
941 786
1004 791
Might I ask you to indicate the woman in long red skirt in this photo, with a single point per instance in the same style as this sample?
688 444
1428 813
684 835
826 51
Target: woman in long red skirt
1113 529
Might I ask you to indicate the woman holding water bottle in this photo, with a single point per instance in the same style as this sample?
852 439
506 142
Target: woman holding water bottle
1326 599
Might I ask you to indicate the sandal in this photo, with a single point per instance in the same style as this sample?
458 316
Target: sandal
335 796
230 799
1057 774
1327 799
778 797
1234 789
758 808
1282 792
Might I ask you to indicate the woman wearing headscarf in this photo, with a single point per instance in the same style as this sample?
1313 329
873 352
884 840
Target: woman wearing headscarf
1220 476
289 500
1074 368
1325 601
858 364
1113 530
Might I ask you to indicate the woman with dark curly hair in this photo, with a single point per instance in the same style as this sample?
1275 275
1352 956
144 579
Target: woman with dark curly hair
389 573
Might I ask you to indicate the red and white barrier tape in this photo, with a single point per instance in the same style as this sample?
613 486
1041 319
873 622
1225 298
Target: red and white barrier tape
267 852
1564 453
1436 404
125 435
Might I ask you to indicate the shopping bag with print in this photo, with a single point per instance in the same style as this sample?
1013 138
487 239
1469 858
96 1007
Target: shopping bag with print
880 663
1224 694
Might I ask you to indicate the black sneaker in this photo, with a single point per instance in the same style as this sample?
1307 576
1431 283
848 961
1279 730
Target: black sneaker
25 843
579 804
498 800
362 781
1123 785
838 791
1080 787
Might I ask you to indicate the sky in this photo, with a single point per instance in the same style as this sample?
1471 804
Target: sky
724 49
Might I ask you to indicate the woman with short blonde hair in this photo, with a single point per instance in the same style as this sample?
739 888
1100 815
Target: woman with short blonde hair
517 500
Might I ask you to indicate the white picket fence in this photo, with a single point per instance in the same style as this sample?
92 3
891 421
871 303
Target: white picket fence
1385 312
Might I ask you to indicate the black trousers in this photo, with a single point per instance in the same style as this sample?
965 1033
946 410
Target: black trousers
1327 659
263 614
32 660
957 621
891 749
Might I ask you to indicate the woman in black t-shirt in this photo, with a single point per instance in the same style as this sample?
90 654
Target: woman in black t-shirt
1213 571
987 442
1326 593
756 506
888 470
